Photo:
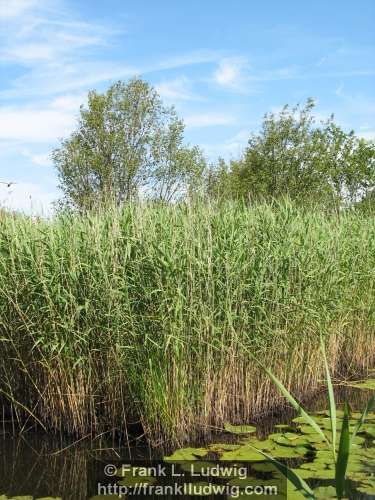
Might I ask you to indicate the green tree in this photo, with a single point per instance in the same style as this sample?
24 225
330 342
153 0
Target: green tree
178 170
126 143
295 156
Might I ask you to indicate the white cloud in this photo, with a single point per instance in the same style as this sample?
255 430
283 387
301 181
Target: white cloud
44 159
230 73
35 124
28 197
53 49
178 89
13 8
208 120
193 58
40 159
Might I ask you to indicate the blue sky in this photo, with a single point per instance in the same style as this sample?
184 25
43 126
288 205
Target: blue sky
222 64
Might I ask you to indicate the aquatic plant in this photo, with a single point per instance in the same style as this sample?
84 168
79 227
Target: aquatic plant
305 455
341 455
144 316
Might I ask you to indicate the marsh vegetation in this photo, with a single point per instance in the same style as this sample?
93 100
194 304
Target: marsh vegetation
146 314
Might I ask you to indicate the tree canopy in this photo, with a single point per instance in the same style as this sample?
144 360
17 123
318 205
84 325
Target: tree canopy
127 142
295 156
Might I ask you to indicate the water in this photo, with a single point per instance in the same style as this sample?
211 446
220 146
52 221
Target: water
43 465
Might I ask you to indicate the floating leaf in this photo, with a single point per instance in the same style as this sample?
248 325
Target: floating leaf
196 467
368 384
136 480
264 467
266 444
218 447
325 492
366 411
367 487
244 454
186 454
239 429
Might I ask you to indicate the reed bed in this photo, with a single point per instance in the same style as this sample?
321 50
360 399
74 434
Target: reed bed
145 315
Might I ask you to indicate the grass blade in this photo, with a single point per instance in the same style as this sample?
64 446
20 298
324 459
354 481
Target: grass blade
343 455
331 399
284 391
294 478
25 408
309 420
366 411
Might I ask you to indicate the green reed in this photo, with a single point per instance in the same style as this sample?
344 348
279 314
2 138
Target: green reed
147 314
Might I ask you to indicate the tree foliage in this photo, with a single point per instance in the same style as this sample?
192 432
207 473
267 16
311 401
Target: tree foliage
126 143
294 156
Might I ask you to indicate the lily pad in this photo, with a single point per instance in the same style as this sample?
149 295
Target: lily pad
219 447
196 467
186 454
367 487
243 454
239 429
264 445
325 492
136 480
368 384
264 467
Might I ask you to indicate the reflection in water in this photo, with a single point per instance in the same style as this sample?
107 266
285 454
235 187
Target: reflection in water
27 467
33 464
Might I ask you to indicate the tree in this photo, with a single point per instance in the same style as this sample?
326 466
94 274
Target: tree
294 156
178 170
127 142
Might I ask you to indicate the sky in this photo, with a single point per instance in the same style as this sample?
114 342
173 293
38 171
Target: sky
222 64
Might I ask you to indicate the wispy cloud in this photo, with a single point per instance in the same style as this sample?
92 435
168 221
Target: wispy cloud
54 50
208 120
13 8
230 73
189 59
357 102
178 89
39 159
33 124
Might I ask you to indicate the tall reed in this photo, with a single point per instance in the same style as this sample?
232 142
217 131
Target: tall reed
146 314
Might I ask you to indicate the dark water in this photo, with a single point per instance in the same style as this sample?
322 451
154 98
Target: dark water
37 464
44 465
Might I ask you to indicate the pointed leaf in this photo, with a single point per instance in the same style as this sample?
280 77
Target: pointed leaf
343 455
331 398
309 420
366 411
297 481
